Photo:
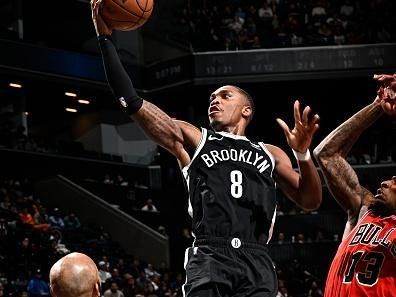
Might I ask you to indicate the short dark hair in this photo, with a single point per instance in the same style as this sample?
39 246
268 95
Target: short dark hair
250 100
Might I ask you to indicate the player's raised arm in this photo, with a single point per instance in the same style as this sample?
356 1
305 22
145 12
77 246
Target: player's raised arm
305 188
170 134
340 177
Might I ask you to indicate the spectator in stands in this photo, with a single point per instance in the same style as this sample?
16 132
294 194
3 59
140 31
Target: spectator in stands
319 237
104 275
113 291
57 246
129 289
281 238
162 230
142 281
150 271
26 217
56 220
115 277
40 214
25 254
120 265
3 229
300 238
347 9
149 206
314 290
75 275
40 217
121 181
71 221
107 180
37 287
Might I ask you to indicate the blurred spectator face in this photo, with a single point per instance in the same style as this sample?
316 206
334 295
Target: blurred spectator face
281 236
24 294
25 242
114 287
300 238
130 280
102 265
115 272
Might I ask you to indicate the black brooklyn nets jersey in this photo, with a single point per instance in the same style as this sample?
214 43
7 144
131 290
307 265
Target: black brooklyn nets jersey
231 189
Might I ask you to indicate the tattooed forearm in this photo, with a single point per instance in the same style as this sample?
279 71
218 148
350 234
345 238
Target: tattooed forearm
344 137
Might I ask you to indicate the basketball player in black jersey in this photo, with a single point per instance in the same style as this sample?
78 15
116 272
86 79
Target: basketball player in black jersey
231 181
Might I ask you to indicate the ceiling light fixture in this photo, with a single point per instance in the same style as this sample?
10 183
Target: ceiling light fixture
70 94
15 85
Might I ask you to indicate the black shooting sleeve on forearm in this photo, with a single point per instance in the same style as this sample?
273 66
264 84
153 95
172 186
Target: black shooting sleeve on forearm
118 79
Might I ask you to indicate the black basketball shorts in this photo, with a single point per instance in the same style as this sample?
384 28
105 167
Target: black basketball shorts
229 268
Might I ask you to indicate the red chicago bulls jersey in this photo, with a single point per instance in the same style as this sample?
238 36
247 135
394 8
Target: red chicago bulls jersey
365 263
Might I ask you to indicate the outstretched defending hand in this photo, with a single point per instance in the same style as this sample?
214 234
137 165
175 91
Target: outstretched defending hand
100 25
387 93
300 138
387 81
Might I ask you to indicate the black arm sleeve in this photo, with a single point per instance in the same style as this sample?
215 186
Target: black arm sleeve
119 81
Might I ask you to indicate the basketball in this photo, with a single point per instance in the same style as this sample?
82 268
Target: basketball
126 15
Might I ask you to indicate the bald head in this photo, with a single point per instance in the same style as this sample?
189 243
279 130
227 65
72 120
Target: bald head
75 275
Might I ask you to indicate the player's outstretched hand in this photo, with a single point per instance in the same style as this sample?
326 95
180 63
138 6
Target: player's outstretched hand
300 137
386 94
386 80
100 25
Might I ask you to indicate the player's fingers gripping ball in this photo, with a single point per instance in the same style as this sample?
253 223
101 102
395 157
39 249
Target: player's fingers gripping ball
126 15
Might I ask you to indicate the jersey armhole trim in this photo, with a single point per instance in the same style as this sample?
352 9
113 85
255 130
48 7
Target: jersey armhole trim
264 147
200 145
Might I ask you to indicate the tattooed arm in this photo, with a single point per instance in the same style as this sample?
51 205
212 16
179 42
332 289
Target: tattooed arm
171 134
340 177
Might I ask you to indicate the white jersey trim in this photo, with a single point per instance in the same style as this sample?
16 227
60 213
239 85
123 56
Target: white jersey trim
184 170
234 136
200 145
271 230
264 147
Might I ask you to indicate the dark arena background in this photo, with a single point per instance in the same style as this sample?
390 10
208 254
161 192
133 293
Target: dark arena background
76 173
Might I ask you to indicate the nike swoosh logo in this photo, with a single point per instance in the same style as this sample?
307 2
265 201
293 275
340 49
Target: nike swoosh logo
255 146
211 137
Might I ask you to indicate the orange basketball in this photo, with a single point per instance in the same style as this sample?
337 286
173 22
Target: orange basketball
126 15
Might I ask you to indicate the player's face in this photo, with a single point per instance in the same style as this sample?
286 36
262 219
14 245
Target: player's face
385 199
225 107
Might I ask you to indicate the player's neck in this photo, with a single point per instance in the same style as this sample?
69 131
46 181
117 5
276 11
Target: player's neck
236 130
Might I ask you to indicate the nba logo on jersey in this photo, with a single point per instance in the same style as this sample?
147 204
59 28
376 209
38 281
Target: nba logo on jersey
123 102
